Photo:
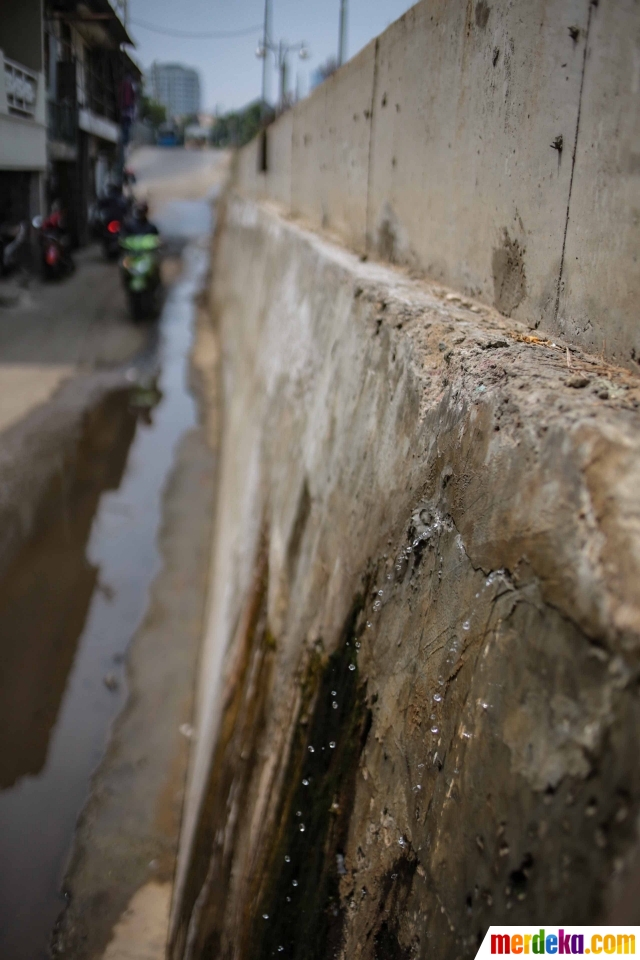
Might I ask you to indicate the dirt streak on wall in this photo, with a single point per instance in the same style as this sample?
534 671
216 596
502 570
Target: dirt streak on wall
428 534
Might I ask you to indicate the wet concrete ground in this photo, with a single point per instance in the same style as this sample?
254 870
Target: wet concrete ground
99 611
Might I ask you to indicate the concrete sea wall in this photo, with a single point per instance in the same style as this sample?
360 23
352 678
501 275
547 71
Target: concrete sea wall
418 710
491 146
418 707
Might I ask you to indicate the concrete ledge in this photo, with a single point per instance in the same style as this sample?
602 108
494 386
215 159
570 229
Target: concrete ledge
436 514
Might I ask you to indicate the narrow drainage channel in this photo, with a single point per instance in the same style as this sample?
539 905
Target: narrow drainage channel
69 606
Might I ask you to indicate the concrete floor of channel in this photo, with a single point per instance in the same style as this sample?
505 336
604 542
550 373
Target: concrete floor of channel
107 465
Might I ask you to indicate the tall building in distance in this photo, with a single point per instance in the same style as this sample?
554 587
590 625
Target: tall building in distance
176 87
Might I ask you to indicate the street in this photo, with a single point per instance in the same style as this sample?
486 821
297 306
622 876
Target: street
107 474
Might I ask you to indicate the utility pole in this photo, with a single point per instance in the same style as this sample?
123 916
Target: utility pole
266 39
342 41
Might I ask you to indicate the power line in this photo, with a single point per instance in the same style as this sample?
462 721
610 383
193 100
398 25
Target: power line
181 34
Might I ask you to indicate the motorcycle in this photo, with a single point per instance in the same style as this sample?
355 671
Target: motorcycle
55 250
111 238
140 266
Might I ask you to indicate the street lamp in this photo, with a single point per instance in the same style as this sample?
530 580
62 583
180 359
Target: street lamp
281 51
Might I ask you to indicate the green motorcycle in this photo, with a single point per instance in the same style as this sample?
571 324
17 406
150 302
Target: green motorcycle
140 267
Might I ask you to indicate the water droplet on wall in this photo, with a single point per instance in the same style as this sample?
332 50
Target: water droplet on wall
287 859
335 704
332 745
312 750
302 828
352 666
305 783
294 883
437 697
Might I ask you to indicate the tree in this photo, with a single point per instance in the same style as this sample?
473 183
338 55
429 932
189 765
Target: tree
238 127
153 112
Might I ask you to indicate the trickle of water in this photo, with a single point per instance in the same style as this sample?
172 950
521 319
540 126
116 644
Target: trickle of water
352 666
332 745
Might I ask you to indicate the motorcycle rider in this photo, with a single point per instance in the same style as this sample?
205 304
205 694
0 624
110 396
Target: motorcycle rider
115 205
139 225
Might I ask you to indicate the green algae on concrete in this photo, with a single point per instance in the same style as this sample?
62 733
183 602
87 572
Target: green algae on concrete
300 912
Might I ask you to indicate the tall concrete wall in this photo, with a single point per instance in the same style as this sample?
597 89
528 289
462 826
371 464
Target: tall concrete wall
418 711
491 146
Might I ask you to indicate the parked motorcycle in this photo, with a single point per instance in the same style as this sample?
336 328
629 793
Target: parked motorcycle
55 248
13 239
140 266
111 232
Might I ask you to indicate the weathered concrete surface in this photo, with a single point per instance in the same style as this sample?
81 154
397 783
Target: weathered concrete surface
418 708
489 145
600 283
331 143
464 181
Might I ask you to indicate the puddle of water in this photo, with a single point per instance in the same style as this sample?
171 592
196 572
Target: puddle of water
69 607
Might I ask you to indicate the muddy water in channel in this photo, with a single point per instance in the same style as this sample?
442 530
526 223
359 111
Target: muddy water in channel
69 606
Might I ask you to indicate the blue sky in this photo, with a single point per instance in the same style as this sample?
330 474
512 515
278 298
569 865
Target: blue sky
231 74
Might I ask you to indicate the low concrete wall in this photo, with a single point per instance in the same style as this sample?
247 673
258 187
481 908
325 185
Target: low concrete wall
418 707
490 146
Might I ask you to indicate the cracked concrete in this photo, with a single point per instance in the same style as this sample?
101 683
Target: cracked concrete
418 494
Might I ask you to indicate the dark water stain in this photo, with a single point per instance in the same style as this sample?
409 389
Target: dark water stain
482 13
69 606
300 909
509 278
395 889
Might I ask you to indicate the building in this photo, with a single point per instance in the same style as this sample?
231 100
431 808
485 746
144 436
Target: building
176 87
88 75
23 155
